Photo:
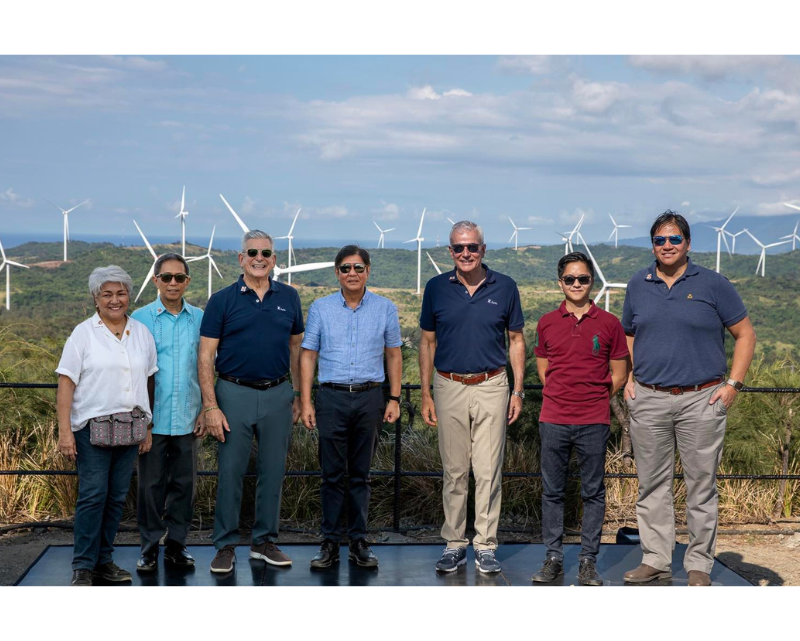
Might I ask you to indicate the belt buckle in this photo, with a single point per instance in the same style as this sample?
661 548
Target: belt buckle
676 391
350 387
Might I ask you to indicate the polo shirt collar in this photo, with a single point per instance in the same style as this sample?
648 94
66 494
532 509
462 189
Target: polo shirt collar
161 308
591 312
652 275
490 277
363 300
242 287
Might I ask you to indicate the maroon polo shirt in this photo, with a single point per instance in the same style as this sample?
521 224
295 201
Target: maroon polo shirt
577 353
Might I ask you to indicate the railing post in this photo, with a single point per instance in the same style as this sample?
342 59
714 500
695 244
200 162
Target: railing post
398 459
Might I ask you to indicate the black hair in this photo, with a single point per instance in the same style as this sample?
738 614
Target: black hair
575 257
670 217
163 259
351 250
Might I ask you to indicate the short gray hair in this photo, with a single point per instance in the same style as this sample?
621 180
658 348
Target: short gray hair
466 225
255 233
110 274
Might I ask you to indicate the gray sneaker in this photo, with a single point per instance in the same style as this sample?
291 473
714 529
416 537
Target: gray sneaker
224 560
485 561
451 559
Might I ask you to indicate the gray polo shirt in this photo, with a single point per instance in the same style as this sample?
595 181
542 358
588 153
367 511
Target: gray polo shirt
680 331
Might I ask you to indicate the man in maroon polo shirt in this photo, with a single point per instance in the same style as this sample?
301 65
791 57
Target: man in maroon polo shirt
582 359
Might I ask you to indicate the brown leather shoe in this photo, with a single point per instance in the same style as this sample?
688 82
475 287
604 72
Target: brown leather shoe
645 573
270 553
696 577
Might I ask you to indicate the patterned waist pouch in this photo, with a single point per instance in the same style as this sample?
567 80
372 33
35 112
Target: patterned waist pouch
120 429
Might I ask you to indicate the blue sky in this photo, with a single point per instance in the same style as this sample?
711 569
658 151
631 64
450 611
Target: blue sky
352 139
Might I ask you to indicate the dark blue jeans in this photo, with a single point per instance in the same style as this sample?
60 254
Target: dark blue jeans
590 443
104 478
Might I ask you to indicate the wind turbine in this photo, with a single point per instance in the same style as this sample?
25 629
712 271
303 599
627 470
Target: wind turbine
152 267
762 261
66 222
435 266
6 264
792 206
721 236
418 240
277 270
383 232
290 237
733 239
566 236
615 233
515 235
210 260
182 214
606 288
793 236
450 220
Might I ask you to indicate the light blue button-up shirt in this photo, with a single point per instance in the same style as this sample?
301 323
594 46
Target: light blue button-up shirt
177 398
351 342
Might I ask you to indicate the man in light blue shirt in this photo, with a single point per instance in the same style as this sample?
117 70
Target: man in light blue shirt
351 331
168 457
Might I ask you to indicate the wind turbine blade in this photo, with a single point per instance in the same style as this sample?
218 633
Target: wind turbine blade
612 234
612 220
54 205
512 235
76 206
294 222
421 218
725 240
376 225
409 241
596 266
792 206
758 242
153 254
435 266
731 216
600 293
3 252
306 268
211 242
512 222
215 266
244 227
11 262
450 220
194 258
386 231
146 280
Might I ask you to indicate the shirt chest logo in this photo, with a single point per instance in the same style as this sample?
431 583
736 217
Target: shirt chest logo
690 297
280 309
491 302
596 345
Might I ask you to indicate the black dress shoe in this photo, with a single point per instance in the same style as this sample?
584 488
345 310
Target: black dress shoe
328 555
587 573
148 562
552 568
178 555
361 554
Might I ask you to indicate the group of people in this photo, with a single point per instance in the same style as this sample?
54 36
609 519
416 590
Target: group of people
245 367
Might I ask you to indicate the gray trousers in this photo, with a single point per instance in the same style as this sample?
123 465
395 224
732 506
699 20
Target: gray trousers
659 420
167 485
267 416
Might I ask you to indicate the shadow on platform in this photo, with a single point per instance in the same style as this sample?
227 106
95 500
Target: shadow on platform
400 565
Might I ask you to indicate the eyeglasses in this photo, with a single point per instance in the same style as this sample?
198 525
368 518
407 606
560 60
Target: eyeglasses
472 248
266 253
346 267
569 281
660 241
179 278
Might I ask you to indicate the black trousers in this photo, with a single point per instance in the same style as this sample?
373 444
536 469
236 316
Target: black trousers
348 424
167 486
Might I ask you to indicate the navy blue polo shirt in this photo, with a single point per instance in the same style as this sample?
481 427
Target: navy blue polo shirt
680 331
253 334
471 330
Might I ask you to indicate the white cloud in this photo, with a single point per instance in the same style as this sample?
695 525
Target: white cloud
779 179
776 209
14 199
685 203
248 206
457 92
708 67
536 65
595 97
136 63
387 211
333 211
423 93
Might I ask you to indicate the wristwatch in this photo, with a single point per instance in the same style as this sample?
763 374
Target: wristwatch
520 394
394 398
737 385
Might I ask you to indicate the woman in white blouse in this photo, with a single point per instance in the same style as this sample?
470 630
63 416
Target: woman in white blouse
104 369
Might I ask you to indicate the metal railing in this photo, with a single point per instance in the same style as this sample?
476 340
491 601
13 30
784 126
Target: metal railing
397 473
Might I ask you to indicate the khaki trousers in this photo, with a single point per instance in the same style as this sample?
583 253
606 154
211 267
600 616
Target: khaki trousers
472 429
658 421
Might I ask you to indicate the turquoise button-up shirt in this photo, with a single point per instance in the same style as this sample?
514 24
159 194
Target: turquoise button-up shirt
177 398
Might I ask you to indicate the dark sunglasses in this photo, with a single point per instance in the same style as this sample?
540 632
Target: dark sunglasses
346 267
569 281
266 253
660 241
179 278
472 248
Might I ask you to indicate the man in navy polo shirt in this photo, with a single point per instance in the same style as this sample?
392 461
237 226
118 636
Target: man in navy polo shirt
465 316
255 328
582 359
675 316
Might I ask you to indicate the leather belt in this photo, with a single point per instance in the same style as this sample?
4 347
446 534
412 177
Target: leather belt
677 391
471 379
260 385
356 387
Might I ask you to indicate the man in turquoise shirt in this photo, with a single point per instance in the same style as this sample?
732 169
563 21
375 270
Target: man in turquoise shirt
168 457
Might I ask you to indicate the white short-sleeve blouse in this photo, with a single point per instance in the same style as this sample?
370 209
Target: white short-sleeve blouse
110 374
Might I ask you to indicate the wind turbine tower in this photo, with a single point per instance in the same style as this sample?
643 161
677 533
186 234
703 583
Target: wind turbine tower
210 260
762 261
418 239
6 264
793 236
182 214
721 237
290 238
66 213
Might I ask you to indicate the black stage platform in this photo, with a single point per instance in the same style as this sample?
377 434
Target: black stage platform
400 565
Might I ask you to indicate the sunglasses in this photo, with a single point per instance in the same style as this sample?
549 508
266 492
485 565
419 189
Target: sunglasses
266 253
179 278
660 241
569 281
345 268
472 248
